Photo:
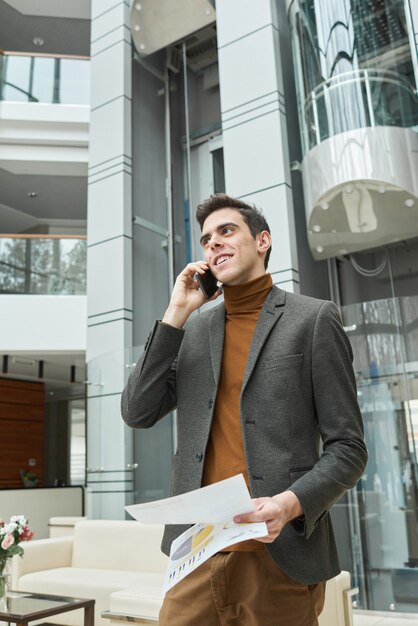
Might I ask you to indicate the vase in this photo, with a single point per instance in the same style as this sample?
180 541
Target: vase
5 577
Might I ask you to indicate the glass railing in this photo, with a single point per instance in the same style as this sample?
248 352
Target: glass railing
44 78
150 451
359 99
378 521
43 264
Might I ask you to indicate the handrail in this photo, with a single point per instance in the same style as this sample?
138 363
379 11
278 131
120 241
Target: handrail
383 76
50 55
26 93
36 236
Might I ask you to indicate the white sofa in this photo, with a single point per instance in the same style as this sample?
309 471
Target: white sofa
120 565
100 558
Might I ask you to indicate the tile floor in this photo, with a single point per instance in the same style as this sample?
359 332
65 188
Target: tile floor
374 618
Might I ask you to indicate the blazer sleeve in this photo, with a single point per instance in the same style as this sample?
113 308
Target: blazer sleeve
344 453
150 392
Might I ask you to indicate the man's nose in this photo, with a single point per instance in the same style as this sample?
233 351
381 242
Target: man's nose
215 241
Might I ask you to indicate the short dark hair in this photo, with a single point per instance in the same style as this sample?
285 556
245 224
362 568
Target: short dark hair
252 216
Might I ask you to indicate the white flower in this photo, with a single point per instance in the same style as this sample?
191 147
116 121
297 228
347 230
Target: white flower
10 528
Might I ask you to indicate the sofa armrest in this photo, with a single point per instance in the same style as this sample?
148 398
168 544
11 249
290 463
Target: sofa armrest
42 554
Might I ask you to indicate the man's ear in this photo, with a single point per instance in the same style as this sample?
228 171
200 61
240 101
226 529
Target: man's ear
264 241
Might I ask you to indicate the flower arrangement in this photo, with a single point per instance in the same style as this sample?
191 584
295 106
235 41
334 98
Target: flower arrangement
11 535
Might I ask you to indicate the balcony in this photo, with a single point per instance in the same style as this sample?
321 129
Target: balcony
44 78
43 264
42 292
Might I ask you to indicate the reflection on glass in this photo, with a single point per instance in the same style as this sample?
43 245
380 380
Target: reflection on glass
353 66
44 79
77 442
43 265
383 508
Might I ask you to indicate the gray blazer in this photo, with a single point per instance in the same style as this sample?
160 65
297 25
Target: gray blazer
298 389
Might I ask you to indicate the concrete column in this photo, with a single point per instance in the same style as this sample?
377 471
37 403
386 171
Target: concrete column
109 274
254 123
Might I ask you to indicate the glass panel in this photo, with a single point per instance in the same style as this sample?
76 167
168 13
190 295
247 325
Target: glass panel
24 604
383 335
44 79
16 78
74 81
43 265
152 448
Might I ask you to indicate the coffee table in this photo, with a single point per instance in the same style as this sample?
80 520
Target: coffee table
21 608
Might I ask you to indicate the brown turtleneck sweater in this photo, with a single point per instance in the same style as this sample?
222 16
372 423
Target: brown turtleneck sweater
225 452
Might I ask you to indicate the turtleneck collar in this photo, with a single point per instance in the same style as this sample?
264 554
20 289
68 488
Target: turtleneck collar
249 296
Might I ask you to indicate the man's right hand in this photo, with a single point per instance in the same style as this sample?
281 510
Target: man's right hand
186 296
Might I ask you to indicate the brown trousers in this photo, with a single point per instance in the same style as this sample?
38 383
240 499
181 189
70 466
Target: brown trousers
241 589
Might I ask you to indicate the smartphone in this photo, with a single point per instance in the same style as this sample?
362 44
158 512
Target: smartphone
208 283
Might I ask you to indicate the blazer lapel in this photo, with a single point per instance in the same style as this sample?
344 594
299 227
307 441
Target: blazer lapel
270 314
216 340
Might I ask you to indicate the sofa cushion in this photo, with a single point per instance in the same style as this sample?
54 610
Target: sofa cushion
88 583
143 601
118 545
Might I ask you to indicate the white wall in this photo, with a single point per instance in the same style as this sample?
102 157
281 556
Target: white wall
32 323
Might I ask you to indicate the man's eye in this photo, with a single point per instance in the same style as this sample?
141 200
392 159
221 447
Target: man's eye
227 229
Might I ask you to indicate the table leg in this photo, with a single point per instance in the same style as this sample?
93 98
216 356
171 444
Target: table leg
89 615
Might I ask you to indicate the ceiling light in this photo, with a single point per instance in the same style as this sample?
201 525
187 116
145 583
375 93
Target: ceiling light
381 189
138 6
32 194
38 41
324 206
348 190
316 228
319 249
409 202
137 27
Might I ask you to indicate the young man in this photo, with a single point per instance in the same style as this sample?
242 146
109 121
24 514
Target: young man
257 381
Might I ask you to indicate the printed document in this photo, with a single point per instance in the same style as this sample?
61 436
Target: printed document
211 509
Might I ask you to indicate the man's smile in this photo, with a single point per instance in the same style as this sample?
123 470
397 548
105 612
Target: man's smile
222 258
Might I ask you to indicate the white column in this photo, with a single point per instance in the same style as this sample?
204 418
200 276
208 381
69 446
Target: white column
254 124
109 261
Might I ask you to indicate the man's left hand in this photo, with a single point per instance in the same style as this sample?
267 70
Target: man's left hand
276 512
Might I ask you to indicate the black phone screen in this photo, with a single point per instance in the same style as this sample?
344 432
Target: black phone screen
208 283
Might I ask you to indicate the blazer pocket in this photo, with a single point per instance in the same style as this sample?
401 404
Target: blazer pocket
284 360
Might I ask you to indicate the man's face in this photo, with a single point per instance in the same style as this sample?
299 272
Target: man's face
234 256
